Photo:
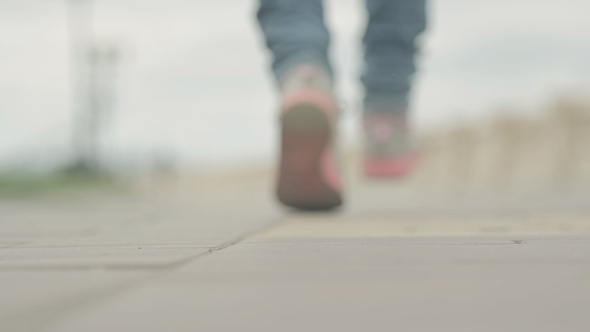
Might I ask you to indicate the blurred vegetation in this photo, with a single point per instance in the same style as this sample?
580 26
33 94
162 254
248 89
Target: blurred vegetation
546 149
67 180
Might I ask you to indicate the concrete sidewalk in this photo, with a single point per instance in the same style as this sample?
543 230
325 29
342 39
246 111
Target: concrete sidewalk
224 257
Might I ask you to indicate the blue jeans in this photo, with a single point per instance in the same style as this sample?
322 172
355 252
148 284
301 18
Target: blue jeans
296 33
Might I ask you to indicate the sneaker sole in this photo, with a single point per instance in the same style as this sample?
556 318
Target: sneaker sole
306 138
392 167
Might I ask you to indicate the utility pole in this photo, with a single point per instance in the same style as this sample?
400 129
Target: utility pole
92 73
81 38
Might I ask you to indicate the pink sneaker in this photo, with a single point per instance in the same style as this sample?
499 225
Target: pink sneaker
308 176
389 152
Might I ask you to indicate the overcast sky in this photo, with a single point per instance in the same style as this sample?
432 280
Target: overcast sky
194 80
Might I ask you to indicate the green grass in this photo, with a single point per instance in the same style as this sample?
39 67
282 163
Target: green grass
18 184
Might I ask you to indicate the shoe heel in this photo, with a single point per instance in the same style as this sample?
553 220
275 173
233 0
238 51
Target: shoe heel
306 134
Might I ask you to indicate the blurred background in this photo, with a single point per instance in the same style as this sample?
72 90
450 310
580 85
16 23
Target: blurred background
134 87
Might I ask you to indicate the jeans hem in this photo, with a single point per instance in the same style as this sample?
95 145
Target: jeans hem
302 59
396 103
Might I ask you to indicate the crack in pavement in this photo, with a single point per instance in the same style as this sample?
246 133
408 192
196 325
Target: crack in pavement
49 313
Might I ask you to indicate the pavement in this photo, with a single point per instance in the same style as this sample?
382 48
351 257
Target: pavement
222 256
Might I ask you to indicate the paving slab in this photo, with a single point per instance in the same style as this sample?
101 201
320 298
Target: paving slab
446 225
109 257
352 287
204 216
38 298
420 305
337 272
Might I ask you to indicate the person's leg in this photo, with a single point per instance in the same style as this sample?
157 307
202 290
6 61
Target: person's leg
298 39
295 33
390 50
